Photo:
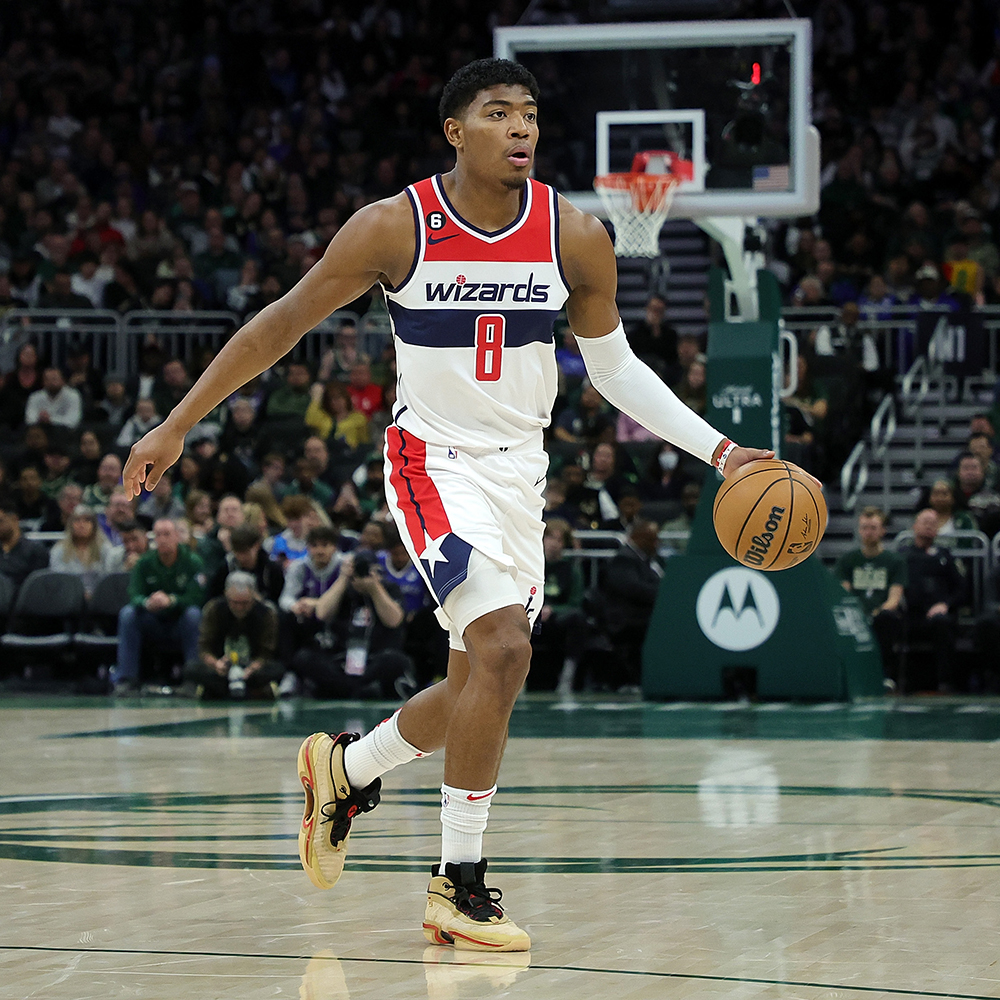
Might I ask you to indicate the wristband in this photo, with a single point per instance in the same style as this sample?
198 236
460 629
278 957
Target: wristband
727 450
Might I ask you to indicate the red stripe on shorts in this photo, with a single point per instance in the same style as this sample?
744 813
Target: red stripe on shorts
416 494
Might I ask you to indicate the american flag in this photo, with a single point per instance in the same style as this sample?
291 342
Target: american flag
770 178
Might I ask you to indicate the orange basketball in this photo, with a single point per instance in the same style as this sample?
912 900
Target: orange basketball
770 515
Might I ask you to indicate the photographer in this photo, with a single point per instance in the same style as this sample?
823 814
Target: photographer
360 652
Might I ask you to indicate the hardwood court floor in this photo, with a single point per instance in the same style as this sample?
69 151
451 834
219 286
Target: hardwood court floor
652 851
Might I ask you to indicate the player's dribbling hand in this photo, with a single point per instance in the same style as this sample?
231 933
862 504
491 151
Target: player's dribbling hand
150 457
739 457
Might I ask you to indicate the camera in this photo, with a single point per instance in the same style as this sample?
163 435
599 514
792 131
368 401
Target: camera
364 559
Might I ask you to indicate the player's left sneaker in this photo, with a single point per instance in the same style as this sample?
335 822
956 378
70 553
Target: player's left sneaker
330 807
463 912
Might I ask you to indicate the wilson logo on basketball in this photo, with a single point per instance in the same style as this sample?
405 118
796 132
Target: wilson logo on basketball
760 544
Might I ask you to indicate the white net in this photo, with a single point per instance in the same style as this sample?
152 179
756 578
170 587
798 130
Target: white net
638 205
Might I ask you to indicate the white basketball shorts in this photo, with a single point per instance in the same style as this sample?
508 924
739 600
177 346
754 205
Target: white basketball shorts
472 523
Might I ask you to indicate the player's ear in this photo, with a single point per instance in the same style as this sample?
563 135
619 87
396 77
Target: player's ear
453 132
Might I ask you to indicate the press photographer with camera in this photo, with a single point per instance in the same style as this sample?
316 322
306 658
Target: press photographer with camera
358 653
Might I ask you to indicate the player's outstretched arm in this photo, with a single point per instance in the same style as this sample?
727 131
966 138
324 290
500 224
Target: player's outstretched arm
627 383
376 241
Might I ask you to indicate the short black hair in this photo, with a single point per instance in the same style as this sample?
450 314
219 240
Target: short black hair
482 74
321 534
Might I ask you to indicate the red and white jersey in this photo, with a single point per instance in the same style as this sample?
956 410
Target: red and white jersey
473 323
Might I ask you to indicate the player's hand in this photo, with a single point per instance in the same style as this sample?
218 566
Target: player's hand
739 457
150 457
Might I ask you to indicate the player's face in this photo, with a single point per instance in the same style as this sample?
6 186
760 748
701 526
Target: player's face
498 133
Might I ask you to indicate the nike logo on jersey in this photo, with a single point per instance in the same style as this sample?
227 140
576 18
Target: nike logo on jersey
431 241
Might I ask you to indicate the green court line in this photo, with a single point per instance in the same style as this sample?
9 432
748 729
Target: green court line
683 976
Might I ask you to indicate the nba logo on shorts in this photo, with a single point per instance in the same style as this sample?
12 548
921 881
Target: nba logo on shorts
452 452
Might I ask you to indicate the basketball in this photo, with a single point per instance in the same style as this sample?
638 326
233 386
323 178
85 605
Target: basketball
770 515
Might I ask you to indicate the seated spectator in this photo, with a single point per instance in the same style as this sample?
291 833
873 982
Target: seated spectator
83 376
572 370
300 515
135 543
629 505
972 494
261 496
119 512
604 477
189 475
198 515
338 361
629 588
246 554
57 474
359 652
653 339
164 608
688 351
559 640
59 293
357 504
33 506
556 505
239 435
237 644
683 522
18 556
589 421
305 484
665 477
941 499
805 413
213 546
878 577
290 400
366 395
171 386
306 580
931 293
627 429
981 445
85 551
691 390
67 500
161 502
18 385
331 412
584 501
934 592
141 422
109 476
84 468
317 454
55 403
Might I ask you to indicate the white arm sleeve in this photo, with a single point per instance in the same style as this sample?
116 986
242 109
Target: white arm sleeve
624 381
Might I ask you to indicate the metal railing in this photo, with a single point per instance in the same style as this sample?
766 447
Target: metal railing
971 549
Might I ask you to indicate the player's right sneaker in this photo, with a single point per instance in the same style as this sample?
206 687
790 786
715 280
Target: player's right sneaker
463 912
331 805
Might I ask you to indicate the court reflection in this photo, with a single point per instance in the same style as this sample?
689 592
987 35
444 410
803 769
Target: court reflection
324 979
739 789
457 975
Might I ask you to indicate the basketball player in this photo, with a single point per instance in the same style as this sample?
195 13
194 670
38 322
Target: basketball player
475 265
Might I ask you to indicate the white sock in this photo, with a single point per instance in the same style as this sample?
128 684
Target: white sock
380 751
463 821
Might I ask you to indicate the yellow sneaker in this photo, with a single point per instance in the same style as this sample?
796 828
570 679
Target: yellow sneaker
331 804
463 912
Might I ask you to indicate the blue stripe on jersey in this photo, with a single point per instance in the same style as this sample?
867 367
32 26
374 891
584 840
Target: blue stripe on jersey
457 327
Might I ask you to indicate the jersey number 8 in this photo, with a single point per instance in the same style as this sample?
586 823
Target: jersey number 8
489 347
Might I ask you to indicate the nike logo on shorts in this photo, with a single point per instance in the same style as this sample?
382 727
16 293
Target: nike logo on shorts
431 241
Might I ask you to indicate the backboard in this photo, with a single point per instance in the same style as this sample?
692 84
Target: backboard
734 97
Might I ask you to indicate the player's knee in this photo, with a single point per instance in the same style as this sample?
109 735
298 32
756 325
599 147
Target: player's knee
503 659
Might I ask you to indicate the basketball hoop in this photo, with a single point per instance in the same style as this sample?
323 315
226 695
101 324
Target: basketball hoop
639 201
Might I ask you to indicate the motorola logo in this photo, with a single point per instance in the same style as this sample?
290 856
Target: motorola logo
738 608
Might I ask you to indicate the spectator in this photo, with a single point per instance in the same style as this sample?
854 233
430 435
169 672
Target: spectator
665 477
684 521
572 370
56 474
83 376
934 592
164 608
84 467
558 643
291 400
688 351
239 437
18 385
365 394
930 290
306 484
246 554
198 515
85 551
300 515
653 339
604 478
60 294
339 361
556 505
805 415
67 500
109 476
171 387
331 411
878 577
691 390
119 512
306 580
360 652
135 543
214 546
141 422
161 502
941 499
973 495
55 403
588 422
628 590
629 505
33 506
317 454
237 644
981 445
18 556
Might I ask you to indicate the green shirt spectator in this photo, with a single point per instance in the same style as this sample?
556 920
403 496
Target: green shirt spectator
292 399
180 579
877 576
